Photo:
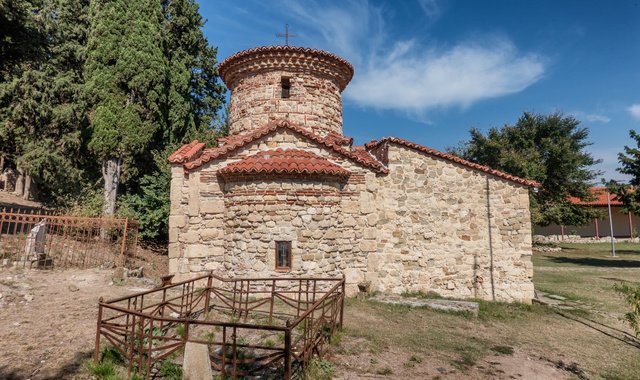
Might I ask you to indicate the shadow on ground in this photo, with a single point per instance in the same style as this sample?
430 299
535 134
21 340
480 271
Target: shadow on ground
7 374
594 262
604 329
72 367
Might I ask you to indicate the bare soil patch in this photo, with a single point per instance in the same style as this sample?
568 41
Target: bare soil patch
49 319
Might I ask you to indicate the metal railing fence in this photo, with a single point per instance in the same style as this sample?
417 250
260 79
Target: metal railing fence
252 327
65 241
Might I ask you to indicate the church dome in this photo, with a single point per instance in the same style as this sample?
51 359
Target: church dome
285 82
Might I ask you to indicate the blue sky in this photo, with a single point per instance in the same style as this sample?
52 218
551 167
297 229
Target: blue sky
429 70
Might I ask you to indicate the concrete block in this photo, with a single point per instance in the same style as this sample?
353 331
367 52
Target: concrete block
196 364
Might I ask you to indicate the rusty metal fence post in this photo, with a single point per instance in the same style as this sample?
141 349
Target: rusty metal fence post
96 353
124 243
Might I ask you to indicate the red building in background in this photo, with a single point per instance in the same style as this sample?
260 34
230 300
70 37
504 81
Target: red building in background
624 223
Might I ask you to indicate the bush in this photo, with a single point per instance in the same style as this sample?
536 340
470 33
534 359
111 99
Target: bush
320 369
170 370
632 296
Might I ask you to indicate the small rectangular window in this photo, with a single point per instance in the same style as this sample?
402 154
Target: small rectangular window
285 83
283 255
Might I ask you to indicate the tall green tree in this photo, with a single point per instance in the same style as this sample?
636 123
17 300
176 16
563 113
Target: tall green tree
54 156
21 38
23 97
194 96
42 109
125 73
629 160
550 149
194 92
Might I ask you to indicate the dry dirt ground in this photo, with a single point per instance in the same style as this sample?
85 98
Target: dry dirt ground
48 332
49 316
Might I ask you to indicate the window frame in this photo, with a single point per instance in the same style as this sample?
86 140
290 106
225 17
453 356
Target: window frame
285 87
290 256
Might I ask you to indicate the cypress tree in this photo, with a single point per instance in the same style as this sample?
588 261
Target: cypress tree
54 157
194 93
194 96
124 74
23 99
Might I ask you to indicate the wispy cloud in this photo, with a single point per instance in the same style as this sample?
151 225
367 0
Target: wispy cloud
591 117
431 9
634 110
407 75
414 79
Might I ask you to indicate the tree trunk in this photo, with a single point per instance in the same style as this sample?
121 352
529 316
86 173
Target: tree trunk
26 194
19 190
111 175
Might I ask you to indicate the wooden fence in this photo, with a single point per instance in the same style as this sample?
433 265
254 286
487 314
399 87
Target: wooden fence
46 240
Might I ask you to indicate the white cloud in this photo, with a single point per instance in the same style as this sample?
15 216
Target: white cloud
406 74
415 79
591 117
634 110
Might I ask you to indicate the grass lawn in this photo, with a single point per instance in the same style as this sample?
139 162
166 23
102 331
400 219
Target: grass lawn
588 342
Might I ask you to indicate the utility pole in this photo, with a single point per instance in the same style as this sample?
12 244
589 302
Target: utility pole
613 244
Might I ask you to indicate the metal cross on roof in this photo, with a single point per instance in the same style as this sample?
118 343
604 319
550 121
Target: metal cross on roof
286 34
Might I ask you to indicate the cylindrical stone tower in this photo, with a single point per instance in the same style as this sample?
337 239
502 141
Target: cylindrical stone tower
285 82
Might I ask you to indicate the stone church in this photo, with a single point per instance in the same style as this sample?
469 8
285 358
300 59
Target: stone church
287 194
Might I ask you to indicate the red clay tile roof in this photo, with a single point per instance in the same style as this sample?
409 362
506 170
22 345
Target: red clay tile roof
285 161
232 143
452 158
338 139
187 152
600 193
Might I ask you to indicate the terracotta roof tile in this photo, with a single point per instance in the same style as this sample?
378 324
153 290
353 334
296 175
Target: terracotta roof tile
187 152
338 139
600 193
285 161
235 142
452 158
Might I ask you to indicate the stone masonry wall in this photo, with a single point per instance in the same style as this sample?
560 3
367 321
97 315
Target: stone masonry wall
423 227
440 226
231 227
314 102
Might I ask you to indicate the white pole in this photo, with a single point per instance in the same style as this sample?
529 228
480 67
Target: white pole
613 244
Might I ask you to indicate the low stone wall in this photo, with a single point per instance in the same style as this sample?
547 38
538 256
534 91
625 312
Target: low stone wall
580 239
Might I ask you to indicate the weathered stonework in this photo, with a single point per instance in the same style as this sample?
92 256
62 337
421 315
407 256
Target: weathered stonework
443 227
316 80
405 218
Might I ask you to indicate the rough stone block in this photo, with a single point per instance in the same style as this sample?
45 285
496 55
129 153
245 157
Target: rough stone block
368 245
177 221
209 206
367 204
173 235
